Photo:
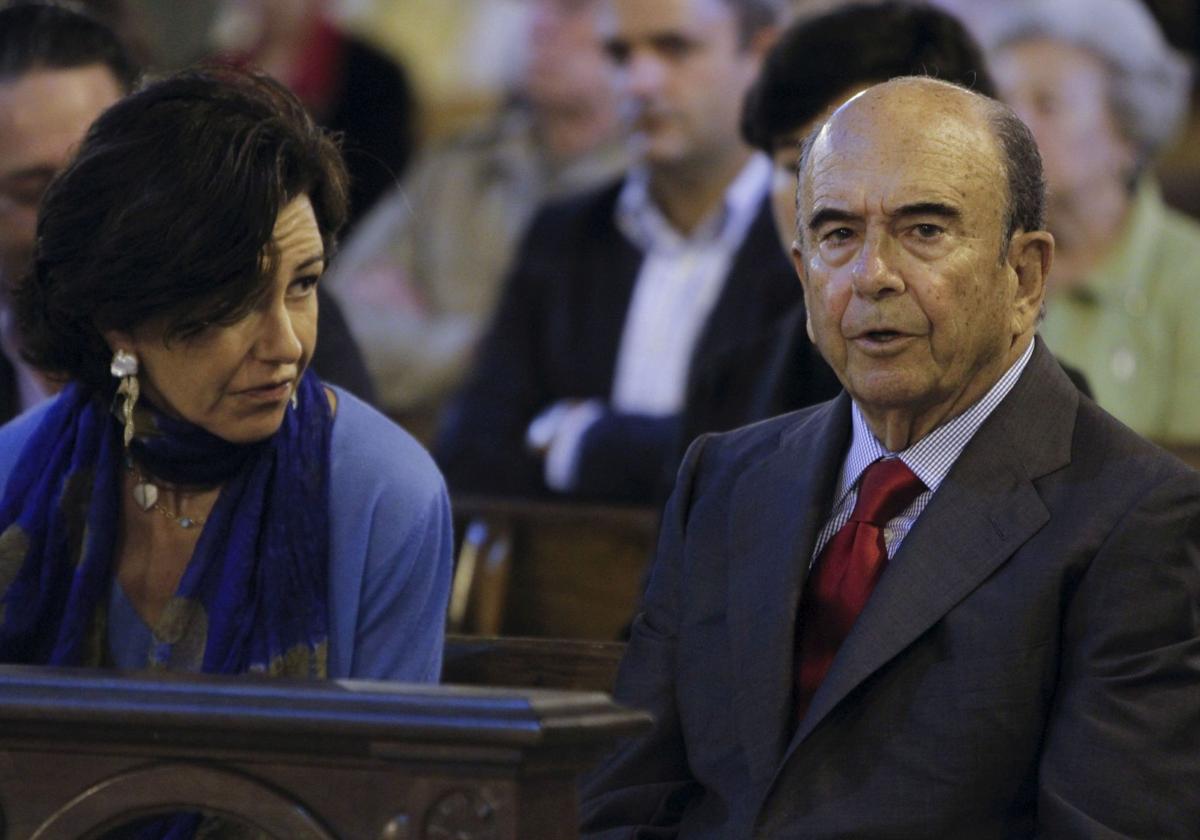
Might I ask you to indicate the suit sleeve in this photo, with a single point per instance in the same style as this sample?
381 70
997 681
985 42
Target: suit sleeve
641 789
627 457
1121 756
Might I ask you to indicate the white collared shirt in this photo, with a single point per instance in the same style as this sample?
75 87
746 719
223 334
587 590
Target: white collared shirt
677 287
930 459
680 279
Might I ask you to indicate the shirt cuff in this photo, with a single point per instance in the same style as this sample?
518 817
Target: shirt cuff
562 457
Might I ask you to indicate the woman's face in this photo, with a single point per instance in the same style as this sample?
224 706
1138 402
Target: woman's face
235 381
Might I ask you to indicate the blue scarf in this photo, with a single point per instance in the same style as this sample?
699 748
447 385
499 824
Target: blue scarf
254 595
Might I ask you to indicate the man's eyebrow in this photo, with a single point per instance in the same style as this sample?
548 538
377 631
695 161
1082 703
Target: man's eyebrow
930 208
824 215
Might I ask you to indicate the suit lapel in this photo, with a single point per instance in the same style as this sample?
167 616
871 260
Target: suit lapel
769 560
760 286
981 514
597 316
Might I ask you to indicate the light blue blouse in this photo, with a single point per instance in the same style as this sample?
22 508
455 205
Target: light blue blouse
390 541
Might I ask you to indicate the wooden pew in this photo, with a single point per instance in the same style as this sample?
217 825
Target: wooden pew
549 569
84 752
572 664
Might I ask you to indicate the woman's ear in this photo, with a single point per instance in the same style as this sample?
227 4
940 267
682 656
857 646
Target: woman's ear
118 340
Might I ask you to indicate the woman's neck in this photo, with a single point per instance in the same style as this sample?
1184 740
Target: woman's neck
155 543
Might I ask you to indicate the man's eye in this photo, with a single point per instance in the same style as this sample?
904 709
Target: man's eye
673 47
837 235
618 52
1046 104
928 231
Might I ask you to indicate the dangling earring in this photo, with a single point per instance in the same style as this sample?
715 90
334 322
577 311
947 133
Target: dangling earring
125 367
295 398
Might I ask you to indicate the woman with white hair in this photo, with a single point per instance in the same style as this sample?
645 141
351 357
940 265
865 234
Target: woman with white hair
1103 93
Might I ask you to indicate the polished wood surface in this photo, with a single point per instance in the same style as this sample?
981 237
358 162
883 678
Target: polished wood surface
573 664
82 752
549 569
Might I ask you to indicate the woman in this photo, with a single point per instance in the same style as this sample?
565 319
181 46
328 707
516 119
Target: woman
194 500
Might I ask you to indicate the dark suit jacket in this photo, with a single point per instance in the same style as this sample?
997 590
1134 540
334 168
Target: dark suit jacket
337 358
1028 665
556 336
10 397
777 371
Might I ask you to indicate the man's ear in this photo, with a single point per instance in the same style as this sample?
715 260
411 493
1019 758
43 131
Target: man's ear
1030 255
798 262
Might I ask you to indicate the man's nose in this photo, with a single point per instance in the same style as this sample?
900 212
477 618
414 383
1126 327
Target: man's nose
874 270
644 74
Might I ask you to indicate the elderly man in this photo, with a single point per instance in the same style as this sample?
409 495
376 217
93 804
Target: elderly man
618 294
959 600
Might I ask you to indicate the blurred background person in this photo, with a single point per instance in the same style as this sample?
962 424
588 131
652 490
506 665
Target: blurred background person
196 499
419 279
58 70
616 295
1104 93
348 85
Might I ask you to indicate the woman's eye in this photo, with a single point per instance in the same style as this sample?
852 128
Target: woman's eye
303 285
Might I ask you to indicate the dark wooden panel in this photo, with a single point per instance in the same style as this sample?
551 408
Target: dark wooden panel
85 751
532 663
561 571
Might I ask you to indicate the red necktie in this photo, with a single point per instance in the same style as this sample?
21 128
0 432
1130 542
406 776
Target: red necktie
841 580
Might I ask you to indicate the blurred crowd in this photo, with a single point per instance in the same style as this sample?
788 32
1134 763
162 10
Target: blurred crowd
563 259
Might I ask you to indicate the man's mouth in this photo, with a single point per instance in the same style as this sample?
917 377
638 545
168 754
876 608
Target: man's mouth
882 335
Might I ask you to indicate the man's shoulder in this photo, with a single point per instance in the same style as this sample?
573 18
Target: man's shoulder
587 208
738 450
579 229
1130 461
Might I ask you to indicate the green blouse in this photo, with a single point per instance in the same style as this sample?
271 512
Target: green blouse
1134 328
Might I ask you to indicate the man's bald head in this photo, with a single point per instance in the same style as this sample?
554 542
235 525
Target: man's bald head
904 196
913 107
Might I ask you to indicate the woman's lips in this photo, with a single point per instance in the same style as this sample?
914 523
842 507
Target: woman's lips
270 392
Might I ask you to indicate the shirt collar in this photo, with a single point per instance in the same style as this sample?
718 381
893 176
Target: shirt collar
932 456
644 224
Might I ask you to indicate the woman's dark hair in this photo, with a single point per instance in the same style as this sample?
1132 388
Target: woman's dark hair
167 213
816 59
